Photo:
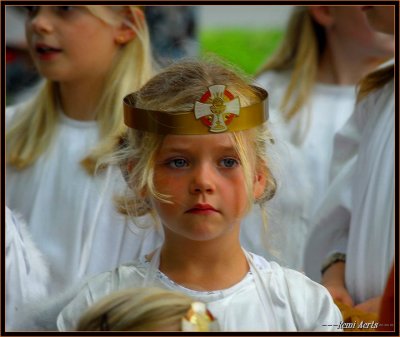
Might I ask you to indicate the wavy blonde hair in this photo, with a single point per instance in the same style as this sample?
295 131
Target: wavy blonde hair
139 309
176 88
374 81
299 52
32 133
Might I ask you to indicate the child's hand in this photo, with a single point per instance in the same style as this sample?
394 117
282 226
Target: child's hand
333 280
371 305
340 294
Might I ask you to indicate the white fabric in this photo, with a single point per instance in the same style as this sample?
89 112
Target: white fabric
27 274
292 302
303 149
70 214
357 216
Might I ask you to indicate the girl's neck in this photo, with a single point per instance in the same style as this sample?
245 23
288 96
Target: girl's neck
79 100
204 265
341 68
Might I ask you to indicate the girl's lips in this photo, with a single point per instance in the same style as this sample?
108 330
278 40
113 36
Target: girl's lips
43 48
202 209
46 52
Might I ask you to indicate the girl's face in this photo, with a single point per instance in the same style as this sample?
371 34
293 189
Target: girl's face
68 43
381 18
204 177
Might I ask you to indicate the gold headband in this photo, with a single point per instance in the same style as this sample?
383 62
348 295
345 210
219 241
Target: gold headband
216 111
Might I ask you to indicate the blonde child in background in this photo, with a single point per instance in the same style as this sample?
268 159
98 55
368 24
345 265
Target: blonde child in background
311 80
90 57
195 157
147 309
352 247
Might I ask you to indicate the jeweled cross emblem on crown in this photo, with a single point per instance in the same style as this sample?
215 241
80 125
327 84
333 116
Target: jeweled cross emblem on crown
216 108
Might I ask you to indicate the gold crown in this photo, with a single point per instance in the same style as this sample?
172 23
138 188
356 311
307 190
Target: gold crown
216 111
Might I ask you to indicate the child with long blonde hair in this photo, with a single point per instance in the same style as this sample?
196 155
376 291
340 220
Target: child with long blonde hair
312 81
195 156
90 57
352 247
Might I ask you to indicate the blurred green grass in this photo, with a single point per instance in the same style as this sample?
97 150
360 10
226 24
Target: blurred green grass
245 48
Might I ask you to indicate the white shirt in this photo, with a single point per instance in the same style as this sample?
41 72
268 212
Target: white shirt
301 155
27 275
287 300
70 214
357 215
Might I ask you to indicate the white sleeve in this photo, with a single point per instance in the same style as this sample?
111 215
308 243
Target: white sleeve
27 273
332 221
312 306
92 291
347 140
69 317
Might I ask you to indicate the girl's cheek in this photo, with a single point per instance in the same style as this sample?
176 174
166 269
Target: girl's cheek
165 182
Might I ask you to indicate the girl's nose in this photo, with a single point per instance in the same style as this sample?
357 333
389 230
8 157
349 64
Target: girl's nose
41 23
203 180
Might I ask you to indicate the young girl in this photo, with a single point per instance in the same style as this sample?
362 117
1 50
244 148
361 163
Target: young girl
147 309
90 56
311 80
353 244
195 157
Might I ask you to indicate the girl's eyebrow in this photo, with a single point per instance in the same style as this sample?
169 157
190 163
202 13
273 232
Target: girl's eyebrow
188 148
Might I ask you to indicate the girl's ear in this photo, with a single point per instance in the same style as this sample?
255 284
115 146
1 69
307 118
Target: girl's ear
124 32
126 170
322 15
260 181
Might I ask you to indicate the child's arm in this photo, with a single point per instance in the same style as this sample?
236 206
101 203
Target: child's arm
333 280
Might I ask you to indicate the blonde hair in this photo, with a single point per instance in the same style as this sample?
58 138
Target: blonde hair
374 81
32 133
139 309
176 88
300 53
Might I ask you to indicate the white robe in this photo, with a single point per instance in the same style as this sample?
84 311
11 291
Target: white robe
290 302
357 215
300 163
70 214
27 275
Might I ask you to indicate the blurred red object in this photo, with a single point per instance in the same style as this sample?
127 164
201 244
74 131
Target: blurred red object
386 314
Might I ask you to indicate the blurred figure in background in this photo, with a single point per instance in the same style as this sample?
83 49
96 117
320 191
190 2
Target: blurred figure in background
91 57
173 32
311 80
21 74
352 247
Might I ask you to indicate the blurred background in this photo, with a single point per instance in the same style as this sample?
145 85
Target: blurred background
244 35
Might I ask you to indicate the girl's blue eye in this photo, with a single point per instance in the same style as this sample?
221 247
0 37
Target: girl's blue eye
229 162
178 163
